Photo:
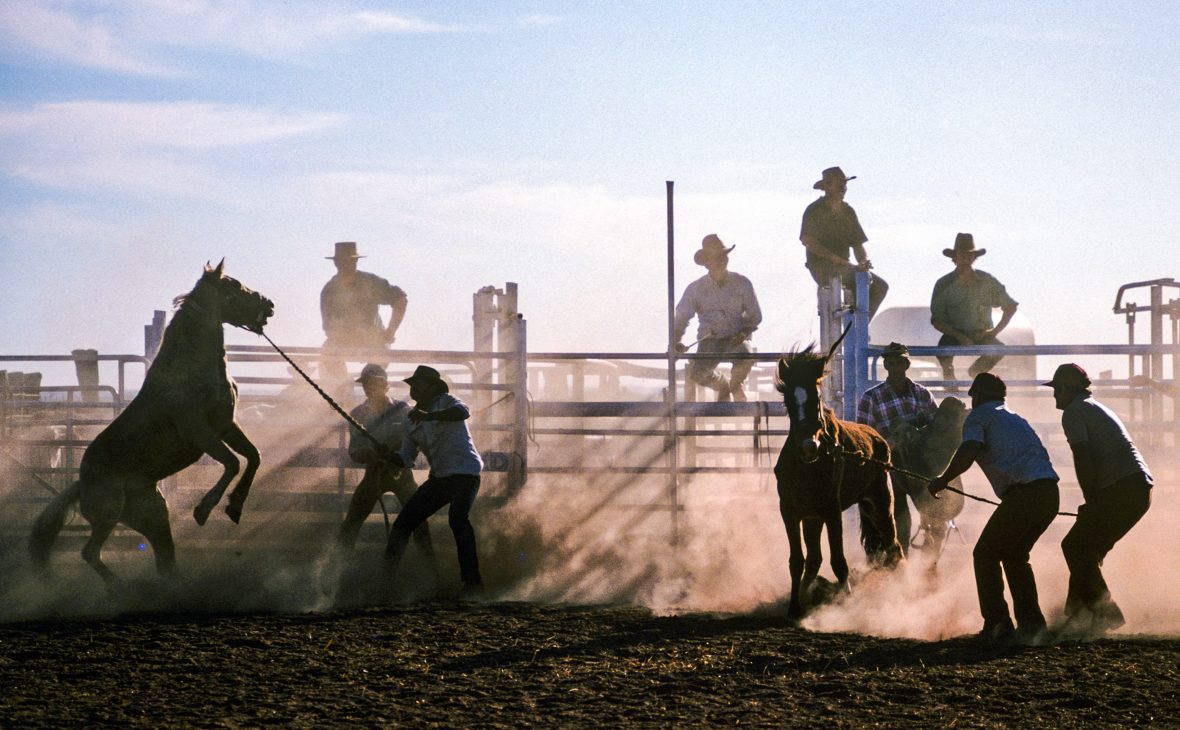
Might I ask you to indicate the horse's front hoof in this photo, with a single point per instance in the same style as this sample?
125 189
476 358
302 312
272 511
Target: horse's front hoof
201 512
234 511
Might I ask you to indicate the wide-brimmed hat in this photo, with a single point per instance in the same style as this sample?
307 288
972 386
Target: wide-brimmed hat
372 371
829 176
711 247
987 385
345 250
427 374
964 243
1069 375
895 349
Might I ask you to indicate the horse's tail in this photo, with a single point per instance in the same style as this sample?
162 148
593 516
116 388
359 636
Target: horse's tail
50 522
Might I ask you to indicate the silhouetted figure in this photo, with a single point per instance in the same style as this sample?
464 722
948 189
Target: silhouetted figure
437 427
831 232
350 306
961 307
897 398
727 314
1116 485
1017 465
385 420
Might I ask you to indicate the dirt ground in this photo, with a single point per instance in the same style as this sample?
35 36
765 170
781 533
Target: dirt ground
517 664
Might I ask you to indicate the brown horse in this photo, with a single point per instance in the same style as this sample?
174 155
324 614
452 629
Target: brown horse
822 471
185 409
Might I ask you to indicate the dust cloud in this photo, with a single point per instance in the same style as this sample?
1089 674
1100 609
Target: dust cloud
586 535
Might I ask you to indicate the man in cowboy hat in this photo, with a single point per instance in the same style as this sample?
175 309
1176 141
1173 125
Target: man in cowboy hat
1116 486
961 307
350 303
727 314
898 398
830 231
439 430
385 419
1017 465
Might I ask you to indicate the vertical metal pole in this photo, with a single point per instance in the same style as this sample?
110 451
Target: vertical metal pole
1156 400
520 391
672 442
856 365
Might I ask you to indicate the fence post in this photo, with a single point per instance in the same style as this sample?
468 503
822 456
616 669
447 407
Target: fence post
856 364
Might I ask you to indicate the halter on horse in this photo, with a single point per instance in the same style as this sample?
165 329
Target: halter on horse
816 483
185 409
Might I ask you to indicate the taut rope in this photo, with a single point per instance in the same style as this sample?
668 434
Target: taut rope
331 401
862 459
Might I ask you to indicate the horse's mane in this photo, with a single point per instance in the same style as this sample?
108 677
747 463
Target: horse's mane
795 363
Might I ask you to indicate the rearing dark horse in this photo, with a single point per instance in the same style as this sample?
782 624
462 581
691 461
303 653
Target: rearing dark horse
185 409
816 484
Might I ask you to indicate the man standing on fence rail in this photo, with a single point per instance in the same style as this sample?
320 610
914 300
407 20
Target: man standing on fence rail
439 430
350 307
831 232
961 307
727 314
1017 465
1116 485
385 419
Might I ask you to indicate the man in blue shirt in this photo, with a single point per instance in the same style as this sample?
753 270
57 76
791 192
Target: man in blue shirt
1116 485
1018 468
438 429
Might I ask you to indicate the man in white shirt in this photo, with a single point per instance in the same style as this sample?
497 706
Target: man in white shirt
438 429
727 314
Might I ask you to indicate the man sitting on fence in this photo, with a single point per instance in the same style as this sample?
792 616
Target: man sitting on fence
727 314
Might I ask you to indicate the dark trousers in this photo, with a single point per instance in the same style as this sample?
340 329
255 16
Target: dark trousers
377 481
878 287
983 364
1102 521
1025 512
457 490
704 371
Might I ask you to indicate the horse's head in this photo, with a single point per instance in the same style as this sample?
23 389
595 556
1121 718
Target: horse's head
799 376
235 303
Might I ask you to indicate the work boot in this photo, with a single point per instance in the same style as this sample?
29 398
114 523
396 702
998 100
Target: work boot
998 633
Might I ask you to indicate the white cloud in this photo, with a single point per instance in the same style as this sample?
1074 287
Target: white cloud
540 20
63 34
144 147
136 36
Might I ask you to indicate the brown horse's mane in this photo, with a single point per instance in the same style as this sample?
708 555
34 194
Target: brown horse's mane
799 363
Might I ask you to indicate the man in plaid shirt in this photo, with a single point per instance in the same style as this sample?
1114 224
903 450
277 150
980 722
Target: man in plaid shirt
897 398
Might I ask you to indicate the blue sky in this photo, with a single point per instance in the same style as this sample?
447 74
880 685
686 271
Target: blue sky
466 144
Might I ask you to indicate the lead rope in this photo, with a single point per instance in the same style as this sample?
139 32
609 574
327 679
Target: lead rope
347 417
914 475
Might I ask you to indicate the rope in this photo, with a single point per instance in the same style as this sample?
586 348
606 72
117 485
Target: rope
331 401
914 475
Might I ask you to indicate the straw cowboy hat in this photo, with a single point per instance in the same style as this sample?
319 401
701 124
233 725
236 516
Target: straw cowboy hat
711 247
345 250
372 371
427 374
829 176
964 243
